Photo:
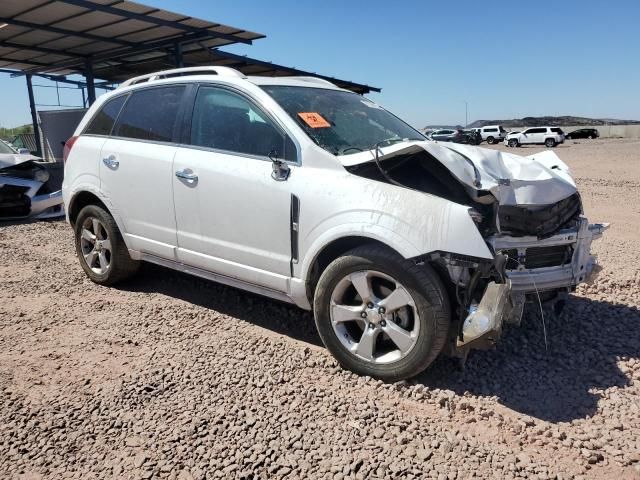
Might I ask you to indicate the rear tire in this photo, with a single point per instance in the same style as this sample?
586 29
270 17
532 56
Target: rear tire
550 143
402 341
491 140
102 253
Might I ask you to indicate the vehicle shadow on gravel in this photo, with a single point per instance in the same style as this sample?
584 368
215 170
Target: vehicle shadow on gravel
278 317
561 383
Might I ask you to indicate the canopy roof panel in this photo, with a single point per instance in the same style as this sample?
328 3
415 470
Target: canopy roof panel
33 30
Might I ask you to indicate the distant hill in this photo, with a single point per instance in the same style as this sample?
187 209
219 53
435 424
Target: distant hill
552 122
443 127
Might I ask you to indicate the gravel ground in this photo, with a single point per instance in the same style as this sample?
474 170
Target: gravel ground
169 376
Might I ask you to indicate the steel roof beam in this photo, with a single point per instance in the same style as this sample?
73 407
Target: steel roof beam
63 31
295 71
51 51
138 49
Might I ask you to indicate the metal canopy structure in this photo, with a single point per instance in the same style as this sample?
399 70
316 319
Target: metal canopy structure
247 65
63 36
114 40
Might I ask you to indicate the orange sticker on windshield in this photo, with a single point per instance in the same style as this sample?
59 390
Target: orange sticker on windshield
314 120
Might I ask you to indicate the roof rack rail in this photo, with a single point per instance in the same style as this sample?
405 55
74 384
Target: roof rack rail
180 72
311 79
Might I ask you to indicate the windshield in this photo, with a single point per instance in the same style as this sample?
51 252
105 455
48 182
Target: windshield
4 148
342 123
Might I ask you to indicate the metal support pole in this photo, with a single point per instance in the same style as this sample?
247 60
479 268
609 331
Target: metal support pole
34 116
177 52
466 114
91 87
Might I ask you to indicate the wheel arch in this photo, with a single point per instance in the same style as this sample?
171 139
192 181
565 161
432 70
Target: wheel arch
89 196
332 250
81 200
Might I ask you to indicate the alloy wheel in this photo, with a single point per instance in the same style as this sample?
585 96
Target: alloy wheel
374 317
95 245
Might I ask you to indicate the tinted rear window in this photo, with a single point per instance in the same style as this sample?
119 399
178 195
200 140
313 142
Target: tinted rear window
557 130
150 114
103 122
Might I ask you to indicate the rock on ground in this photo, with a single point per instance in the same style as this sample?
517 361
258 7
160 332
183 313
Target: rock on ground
168 376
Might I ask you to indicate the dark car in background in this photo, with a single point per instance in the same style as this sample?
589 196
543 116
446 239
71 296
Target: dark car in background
456 136
583 133
474 137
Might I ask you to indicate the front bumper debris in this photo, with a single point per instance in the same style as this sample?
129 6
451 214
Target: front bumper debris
48 205
483 325
561 261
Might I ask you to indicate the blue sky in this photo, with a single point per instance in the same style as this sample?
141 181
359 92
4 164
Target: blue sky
506 59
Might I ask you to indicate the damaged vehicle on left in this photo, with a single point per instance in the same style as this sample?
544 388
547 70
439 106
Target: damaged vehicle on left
26 190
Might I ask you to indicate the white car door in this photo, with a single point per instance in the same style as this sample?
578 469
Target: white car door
233 217
528 136
136 169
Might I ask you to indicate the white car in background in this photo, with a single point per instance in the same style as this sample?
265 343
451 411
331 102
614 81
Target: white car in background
25 190
548 136
492 133
298 190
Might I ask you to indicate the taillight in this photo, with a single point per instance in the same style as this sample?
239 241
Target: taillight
67 148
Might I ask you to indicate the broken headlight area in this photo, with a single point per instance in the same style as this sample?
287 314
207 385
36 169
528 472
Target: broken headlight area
28 170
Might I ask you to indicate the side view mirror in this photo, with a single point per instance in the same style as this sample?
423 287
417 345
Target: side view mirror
280 169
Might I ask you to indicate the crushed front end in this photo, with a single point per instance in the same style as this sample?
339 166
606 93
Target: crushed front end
548 247
26 191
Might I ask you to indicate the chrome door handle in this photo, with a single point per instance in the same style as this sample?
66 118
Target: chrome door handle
186 175
111 162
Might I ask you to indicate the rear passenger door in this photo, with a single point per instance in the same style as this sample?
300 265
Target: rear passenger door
136 168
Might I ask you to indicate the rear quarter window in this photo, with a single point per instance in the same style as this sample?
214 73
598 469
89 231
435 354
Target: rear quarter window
102 122
150 114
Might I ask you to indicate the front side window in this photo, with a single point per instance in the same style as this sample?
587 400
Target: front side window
102 123
341 122
150 114
227 121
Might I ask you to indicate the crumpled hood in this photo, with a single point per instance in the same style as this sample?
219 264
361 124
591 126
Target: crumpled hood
12 159
539 179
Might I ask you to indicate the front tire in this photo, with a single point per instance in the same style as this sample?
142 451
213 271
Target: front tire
102 253
381 315
513 143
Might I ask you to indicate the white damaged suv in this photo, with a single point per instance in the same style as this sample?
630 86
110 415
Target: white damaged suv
298 190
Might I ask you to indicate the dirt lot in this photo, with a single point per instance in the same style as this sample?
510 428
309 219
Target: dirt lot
169 376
